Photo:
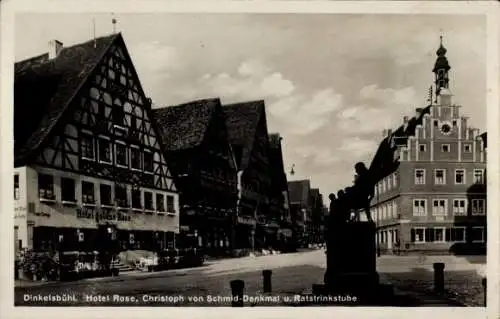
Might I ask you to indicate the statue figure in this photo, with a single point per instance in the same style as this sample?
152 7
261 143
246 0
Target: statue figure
363 188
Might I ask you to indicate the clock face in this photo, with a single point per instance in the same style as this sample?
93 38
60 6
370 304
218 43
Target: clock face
446 128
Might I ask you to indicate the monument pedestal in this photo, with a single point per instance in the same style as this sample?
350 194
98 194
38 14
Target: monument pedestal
351 263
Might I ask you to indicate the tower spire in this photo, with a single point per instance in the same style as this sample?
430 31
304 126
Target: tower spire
441 69
113 21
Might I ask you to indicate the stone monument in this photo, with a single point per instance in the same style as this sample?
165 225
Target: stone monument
351 248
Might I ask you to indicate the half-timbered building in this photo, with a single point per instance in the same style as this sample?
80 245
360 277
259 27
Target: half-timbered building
199 153
279 213
87 152
248 136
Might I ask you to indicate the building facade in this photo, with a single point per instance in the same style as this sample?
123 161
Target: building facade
279 211
317 216
301 210
434 200
203 164
247 127
88 158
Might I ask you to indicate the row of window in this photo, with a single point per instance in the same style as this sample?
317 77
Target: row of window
385 211
387 183
445 148
444 234
101 149
440 207
138 200
440 176
434 235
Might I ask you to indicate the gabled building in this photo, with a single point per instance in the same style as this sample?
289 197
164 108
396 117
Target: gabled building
201 158
248 136
431 173
279 210
88 155
317 216
300 208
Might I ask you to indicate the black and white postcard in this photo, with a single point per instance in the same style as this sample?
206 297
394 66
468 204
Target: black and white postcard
238 154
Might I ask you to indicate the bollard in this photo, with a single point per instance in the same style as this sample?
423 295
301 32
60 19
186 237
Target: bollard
483 282
267 280
439 277
237 287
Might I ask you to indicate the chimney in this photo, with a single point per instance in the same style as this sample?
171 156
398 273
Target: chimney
406 119
54 48
384 133
418 111
389 132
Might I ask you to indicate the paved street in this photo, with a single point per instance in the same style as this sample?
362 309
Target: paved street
292 274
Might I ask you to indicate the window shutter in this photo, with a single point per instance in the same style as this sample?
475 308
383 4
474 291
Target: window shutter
412 235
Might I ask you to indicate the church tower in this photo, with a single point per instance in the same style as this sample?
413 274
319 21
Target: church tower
441 70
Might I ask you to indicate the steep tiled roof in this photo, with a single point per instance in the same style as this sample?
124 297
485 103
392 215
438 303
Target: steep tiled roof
184 126
44 88
241 121
299 191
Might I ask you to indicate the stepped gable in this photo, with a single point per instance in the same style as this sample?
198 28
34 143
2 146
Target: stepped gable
385 152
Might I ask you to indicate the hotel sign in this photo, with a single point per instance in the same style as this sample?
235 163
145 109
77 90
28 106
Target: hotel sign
108 214
246 220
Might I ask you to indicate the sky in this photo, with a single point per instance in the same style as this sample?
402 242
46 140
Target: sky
331 82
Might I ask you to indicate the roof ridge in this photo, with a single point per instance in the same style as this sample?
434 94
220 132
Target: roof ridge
66 48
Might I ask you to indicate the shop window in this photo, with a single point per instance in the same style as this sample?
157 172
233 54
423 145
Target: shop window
418 235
